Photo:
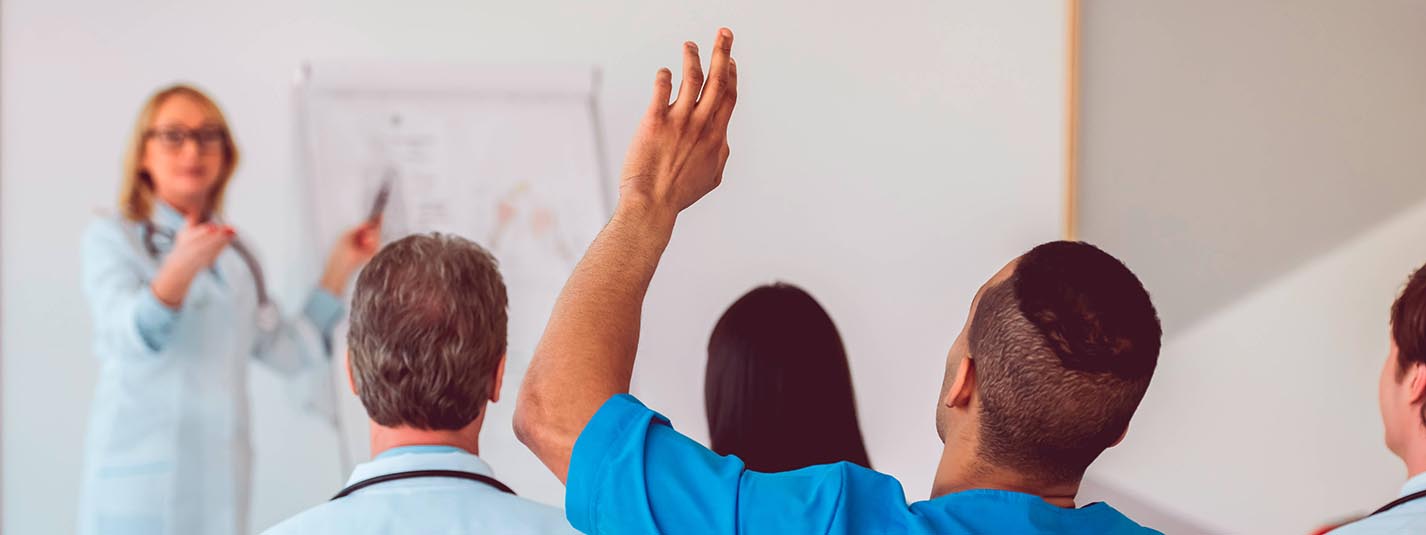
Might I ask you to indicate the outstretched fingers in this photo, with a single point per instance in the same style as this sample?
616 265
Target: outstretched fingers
663 89
692 81
712 99
729 99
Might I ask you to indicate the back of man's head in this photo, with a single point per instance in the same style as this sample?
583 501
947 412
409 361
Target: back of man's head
427 332
1064 350
1408 323
1403 402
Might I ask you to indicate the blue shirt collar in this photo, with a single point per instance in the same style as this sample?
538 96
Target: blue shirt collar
1414 485
410 458
406 450
1011 496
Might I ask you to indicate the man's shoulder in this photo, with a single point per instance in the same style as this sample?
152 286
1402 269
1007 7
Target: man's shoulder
303 522
376 512
291 525
1391 522
849 480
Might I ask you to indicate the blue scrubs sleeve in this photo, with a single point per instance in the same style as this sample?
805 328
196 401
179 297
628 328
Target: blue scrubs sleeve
631 472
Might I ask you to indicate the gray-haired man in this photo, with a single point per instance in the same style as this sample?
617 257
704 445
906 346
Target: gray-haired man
427 351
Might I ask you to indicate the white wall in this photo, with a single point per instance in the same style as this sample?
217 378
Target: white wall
888 157
1263 418
1260 165
1211 127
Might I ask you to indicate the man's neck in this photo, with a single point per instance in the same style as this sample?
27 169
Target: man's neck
961 470
385 438
1415 457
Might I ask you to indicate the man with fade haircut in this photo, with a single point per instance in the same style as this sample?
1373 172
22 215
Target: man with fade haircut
426 353
1055 356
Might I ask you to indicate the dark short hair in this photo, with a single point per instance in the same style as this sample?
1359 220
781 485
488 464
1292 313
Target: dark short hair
427 332
1408 323
778 389
1063 351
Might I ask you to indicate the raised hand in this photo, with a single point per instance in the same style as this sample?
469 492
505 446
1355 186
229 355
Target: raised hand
677 155
587 352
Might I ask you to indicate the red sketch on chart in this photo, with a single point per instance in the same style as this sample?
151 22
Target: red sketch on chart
523 222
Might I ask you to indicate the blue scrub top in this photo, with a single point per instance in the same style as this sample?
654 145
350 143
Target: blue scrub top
631 472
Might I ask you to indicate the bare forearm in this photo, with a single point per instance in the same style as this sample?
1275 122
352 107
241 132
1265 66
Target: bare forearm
195 248
353 249
334 280
587 352
170 284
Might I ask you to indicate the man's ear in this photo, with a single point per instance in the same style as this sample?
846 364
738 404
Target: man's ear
1418 383
351 380
499 380
1121 437
961 389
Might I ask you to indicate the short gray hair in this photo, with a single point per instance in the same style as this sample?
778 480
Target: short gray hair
427 332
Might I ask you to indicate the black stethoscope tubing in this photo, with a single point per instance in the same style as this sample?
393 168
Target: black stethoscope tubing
458 474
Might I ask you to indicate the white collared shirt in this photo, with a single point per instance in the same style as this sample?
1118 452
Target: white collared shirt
428 504
1409 517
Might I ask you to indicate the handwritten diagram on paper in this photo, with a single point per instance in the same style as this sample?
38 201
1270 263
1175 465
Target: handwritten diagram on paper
506 157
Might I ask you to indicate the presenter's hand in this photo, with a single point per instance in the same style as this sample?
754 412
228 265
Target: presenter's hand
353 249
677 155
195 248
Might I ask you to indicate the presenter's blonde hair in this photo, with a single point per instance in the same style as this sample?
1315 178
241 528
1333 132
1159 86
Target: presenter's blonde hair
136 195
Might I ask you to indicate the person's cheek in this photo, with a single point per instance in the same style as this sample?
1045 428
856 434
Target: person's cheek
214 166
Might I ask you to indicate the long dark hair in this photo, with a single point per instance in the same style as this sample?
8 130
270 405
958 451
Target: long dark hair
778 389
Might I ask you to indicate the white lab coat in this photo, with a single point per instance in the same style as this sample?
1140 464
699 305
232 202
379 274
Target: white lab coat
168 448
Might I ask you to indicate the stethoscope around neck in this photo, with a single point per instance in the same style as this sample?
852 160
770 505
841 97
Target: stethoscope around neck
268 317
414 474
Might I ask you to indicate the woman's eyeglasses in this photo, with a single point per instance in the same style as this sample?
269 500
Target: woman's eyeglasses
172 139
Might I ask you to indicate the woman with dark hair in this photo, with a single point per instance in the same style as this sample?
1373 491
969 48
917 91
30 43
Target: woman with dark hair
778 390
